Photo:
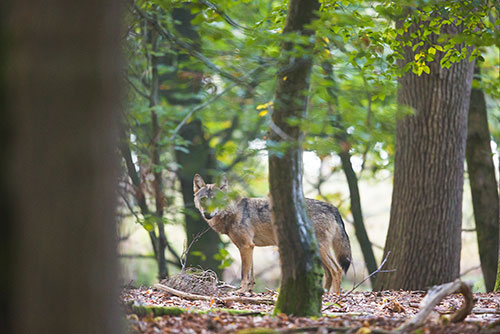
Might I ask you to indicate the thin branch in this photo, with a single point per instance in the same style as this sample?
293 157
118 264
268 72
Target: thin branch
192 51
224 300
225 16
198 108
183 258
138 91
379 270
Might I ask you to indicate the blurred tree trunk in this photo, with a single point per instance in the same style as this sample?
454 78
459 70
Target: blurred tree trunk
64 79
185 84
483 185
8 227
300 287
424 234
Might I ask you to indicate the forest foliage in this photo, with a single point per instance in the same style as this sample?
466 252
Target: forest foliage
221 70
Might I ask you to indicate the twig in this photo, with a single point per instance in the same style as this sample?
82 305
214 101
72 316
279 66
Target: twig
183 258
469 270
225 16
433 297
192 51
379 270
199 107
239 299
138 91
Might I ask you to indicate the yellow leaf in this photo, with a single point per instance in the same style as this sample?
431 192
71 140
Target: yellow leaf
212 301
263 113
326 40
284 78
262 106
432 51
364 330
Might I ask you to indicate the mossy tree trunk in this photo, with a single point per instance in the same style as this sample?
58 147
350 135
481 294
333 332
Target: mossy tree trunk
300 287
425 225
64 75
483 185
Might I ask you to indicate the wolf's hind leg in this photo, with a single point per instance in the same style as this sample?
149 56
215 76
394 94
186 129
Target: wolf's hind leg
332 269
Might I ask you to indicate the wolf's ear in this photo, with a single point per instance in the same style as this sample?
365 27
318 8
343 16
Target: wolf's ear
198 183
223 183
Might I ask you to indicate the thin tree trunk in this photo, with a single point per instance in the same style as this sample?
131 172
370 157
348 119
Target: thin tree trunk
424 234
352 181
64 95
357 214
161 238
300 287
483 185
497 281
200 156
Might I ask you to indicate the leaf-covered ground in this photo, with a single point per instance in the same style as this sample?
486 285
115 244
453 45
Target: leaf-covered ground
152 311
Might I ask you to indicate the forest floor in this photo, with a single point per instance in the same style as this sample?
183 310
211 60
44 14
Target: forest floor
150 310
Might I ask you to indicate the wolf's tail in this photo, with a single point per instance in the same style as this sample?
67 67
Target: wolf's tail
341 244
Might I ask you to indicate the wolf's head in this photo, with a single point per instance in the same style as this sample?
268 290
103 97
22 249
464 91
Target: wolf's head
210 199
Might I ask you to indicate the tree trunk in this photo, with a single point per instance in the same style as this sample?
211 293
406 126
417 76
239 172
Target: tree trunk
483 185
200 159
8 227
64 79
300 287
185 84
357 214
352 179
424 234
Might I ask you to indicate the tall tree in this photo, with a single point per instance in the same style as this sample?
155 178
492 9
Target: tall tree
63 89
424 234
483 185
300 287
185 83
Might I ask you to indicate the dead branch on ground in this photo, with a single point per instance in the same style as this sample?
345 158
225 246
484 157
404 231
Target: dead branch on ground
224 300
434 296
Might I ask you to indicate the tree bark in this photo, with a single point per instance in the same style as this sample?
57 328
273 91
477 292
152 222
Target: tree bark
64 94
483 185
357 214
8 227
201 160
200 156
352 180
300 287
424 234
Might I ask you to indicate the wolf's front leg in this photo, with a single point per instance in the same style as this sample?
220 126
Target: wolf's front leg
247 279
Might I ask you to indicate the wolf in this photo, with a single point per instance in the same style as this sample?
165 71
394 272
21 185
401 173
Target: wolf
247 222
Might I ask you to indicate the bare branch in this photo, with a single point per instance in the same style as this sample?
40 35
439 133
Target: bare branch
198 108
433 297
225 16
186 295
183 258
379 270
